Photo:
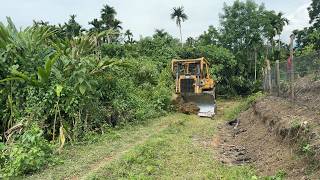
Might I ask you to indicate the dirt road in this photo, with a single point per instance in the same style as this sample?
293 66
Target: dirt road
182 146
177 146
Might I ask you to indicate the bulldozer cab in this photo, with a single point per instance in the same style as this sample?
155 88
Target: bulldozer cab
195 84
191 66
192 75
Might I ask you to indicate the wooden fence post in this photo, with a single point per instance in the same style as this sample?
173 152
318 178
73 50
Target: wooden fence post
264 79
269 85
292 37
255 64
278 77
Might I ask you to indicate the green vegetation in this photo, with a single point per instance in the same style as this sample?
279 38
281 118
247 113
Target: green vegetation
244 105
64 87
67 85
179 151
29 153
308 39
280 175
159 148
82 158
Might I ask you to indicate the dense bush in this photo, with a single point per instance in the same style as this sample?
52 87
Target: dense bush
28 153
158 49
68 90
113 50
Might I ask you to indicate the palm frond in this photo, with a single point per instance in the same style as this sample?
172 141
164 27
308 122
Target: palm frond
179 15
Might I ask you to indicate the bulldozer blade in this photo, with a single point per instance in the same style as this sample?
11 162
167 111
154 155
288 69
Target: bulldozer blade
205 102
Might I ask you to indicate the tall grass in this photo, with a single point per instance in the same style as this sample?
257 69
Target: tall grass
244 105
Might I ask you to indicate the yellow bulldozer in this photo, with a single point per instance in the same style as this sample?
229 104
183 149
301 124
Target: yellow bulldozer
194 83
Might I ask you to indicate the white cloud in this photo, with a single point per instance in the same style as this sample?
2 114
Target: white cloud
143 17
297 20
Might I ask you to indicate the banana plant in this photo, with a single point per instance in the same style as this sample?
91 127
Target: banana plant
43 73
105 64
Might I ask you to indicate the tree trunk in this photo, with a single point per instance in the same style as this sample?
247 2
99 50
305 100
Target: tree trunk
180 35
267 53
255 64
108 39
272 47
279 43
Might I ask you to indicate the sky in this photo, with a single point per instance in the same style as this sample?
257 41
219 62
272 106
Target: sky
142 17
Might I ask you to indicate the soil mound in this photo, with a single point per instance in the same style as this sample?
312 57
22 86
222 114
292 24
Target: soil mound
185 107
189 108
274 135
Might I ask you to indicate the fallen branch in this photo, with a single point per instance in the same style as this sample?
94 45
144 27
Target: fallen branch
16 128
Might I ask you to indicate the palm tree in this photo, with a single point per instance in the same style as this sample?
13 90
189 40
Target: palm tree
281 22
129 36
97 25
40 23
179 15
160 33
116 24
108 14
72 28
190 42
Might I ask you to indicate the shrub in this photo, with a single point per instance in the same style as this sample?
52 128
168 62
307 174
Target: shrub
244 105
113 50
27 154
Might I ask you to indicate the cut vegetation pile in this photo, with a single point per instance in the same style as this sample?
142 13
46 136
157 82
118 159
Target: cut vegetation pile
277 136
185 107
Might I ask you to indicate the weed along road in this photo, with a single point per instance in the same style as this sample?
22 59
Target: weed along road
177 146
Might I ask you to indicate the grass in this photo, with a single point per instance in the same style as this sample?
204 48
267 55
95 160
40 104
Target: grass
174 147
244 104
180 151
78 159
